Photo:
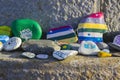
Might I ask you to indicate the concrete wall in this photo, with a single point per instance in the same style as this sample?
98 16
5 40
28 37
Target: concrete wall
55 13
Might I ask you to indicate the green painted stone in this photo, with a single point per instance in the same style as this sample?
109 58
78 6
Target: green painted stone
65 47
26 29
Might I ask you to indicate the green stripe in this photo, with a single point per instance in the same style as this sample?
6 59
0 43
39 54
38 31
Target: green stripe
91 30
63 37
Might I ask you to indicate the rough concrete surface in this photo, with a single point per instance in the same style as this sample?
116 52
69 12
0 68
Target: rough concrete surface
14 67
111 9
49 13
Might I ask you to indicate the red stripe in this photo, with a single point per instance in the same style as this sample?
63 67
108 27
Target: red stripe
60 28
96 15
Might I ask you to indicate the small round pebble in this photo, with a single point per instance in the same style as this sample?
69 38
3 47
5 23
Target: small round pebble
28 55
106 50
42 56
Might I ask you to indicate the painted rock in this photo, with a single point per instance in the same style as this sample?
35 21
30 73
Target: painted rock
40 46
65 47
4 38
1 46
42 56
63 34
5 30
28 55
63 54
88 48
26 29
104 54
74 46
12 44
92 27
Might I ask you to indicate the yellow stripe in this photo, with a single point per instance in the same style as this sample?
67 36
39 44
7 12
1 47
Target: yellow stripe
5 28
69 40
92 26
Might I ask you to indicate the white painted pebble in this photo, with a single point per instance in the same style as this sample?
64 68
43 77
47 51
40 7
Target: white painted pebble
28 55
42 56
12 44
63 54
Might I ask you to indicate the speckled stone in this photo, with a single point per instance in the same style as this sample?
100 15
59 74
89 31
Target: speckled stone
111 9
40 46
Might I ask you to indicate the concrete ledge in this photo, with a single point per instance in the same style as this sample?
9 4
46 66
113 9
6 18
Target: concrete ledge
13 67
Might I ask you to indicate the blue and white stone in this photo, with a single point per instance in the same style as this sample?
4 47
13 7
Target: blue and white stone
63 54
88 48
12 44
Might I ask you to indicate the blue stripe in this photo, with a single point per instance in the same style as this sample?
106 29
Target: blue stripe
94 39
59 30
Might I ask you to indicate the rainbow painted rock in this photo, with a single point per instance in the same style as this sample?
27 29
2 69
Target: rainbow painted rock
64 34
26 29
92 27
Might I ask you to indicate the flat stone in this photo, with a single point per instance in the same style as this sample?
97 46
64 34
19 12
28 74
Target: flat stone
42 56
74 46
40 46
88 48
102 45
12 44
28 55
63 54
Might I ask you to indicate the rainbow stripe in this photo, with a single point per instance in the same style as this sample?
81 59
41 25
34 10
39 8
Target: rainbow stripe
62 34
92 27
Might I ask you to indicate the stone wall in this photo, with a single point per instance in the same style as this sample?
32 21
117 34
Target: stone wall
111 9
55 13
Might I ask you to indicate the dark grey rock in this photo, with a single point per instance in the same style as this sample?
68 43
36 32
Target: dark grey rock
109 36
40 46
102 45
74 46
